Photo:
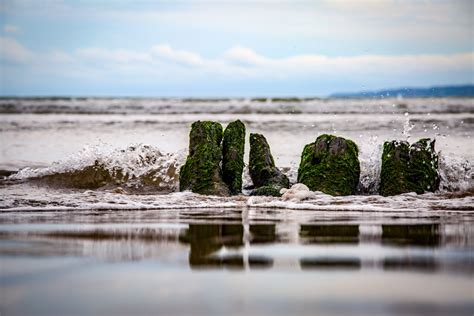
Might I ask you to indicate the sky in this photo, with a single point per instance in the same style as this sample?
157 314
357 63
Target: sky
177 48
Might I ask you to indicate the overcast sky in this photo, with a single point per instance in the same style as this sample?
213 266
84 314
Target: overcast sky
232 47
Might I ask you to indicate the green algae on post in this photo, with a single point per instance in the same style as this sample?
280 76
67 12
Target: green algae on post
233 146
423 171
330 165
268 190
262 168
395 161
408 168
202 172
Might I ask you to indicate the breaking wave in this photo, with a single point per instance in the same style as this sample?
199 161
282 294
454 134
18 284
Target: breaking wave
137 167
65 105
145 169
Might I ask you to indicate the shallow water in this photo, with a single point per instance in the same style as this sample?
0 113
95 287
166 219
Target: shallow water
236 261
137 246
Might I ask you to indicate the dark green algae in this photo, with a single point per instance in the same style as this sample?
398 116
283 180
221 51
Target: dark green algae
202 172
408 168
266 177
233 146
330 165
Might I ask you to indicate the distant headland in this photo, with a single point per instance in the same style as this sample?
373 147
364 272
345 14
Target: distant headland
438 91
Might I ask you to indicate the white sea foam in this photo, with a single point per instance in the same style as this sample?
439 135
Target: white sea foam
24 197
457 174
138 160
133 162
66 125
297 192
235 106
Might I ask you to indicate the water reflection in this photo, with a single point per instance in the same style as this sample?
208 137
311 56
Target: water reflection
427 235
317 234
245 246
426 263
205 240
263 233
330 263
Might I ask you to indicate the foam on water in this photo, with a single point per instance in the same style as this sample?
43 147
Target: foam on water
19 193
456 173
235 106
127 166
26 197
122 176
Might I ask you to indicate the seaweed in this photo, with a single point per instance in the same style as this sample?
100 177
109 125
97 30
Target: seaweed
408 168
262 168
233 146
330 165
202 172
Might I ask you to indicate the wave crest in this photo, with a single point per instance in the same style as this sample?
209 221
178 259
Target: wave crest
139 166
144 168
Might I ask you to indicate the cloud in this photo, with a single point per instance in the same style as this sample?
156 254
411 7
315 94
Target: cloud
352 66
244 56
58 56
111 56
8 28
165 52
12 51
242 61
164 65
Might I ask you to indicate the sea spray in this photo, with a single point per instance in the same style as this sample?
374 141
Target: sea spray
456 174
369 158
138 166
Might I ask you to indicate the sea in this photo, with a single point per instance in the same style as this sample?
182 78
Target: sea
137 245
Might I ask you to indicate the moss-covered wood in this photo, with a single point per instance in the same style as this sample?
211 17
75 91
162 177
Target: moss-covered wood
267 190
233 146
394 172
202 172
263 171
330 165
408 168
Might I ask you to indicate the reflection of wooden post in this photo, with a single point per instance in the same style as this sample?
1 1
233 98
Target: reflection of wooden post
203 240
206 239
323 234
412 235
246 238
330 235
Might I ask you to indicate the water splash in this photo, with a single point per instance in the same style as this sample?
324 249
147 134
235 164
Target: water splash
136 166
457 174
369 157
144 168
407 127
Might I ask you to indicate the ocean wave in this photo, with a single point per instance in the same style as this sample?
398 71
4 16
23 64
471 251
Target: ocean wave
137 167
24 198
456 173
65 105
144 168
